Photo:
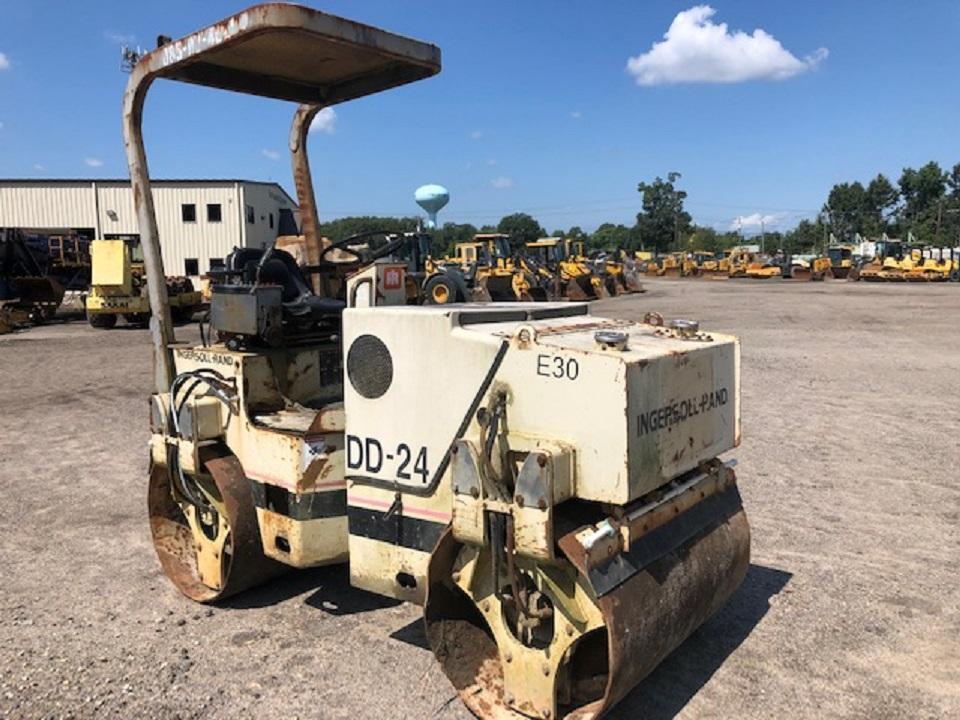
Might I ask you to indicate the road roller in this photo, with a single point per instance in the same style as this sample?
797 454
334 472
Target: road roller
546 484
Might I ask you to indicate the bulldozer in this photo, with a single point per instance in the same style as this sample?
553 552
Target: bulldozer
558 557
841 260
118 287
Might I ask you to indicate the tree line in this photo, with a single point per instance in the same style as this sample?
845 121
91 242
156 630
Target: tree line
924 202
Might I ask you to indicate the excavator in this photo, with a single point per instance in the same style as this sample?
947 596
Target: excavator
559 557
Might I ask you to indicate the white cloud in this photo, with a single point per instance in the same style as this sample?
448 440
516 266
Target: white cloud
757 220
501 183
491 162
476 134
270 154
4 62
325 121
93 162
576 114
38 167
697 50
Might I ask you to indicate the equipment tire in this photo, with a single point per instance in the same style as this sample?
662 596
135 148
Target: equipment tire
441 290
102 321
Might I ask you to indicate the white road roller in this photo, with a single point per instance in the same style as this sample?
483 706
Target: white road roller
544 482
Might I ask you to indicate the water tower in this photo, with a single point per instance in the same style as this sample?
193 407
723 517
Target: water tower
431 198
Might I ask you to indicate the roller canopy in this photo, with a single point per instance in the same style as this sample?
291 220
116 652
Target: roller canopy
290 52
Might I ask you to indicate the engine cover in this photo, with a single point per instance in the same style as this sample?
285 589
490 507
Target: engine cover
639 403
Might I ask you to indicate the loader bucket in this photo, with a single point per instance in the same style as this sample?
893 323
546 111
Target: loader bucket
39 296
499 288
632 282
611 285
801 273
242 564
580 288
535 294
671 272
603 636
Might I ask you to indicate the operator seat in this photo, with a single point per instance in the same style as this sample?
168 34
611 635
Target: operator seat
277 267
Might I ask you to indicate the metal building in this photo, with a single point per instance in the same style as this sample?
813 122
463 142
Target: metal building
200 221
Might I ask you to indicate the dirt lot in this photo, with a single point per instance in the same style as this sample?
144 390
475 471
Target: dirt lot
848 470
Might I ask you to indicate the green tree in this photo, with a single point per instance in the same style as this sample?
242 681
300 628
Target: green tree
522 228
847 209
881 204
347 226
923 192
450 234
662 221
805 237
610 237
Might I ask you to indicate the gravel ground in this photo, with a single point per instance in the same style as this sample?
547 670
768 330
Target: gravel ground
848 467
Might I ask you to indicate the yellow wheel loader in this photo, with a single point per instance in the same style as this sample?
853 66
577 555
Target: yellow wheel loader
492 274
573 277
118 287
559 557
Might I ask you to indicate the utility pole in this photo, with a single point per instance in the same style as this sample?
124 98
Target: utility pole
939 219
763 234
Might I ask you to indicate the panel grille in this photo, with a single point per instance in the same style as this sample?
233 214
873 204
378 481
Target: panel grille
369 366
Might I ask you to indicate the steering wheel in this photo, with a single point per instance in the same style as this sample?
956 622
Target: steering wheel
358 257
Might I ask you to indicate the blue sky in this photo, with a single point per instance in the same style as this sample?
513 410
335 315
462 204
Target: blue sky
535 109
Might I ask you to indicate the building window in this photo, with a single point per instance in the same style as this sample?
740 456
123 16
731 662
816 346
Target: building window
188 212
251 217
191 266
216 264
271 220
214 214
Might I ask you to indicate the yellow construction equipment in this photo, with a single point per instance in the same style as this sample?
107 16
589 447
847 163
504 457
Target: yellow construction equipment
28 294
841 260
795 267
574 278
118 287
888 265
621 269
559 556
491 272
927 268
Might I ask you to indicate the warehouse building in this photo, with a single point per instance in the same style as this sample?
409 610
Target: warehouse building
200 221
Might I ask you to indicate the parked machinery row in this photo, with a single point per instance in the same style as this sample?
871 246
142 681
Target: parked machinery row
488 269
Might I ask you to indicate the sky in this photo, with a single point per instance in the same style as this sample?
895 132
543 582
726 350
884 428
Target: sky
558 109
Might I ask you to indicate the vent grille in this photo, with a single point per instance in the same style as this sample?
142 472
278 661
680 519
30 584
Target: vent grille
369 366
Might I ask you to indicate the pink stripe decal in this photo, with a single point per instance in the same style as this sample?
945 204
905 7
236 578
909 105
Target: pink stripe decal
423 513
